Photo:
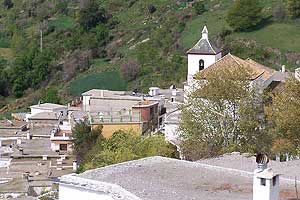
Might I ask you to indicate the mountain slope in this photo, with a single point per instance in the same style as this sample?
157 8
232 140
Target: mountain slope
142 42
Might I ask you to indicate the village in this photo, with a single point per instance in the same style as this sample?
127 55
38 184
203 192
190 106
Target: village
36 148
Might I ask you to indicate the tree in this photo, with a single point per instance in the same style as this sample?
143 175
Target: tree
199 7
129 70
85 138
283 113
223 114
62 7
125 146
51 96
8 4
102 34
244 15
293 8
91 15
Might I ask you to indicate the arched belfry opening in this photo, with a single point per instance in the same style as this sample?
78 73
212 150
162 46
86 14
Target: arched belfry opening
201 65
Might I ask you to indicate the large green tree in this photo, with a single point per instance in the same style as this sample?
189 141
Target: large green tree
283 115
125 146
85 138
245 15
223 114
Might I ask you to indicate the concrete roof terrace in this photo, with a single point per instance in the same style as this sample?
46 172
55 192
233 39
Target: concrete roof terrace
170 179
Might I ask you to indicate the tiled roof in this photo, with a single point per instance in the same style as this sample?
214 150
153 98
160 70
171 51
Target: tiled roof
204 46
230 62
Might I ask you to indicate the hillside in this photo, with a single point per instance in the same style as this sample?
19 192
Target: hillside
127 45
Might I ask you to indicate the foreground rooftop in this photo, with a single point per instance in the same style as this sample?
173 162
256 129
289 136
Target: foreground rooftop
170 179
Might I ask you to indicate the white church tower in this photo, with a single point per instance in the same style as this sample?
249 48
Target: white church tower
201 56
265 181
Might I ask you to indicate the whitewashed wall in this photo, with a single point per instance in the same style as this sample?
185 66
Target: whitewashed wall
75 193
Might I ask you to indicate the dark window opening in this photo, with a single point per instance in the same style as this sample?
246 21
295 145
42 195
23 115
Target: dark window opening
201 65
63 147
263 181
274 180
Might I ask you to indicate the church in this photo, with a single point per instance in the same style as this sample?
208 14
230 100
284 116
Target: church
204 57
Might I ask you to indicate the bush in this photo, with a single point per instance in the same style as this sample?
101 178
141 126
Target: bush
245 15
51 96
130 70
199 7
151 8
92 15
293 8
8 4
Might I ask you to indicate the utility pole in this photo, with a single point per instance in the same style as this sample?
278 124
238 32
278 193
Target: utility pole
41 40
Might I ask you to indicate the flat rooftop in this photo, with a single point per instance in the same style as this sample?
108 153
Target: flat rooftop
48 106
12 124
44 116
170 179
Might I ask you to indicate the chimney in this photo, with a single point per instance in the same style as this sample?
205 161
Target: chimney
283 68
297 74
265 181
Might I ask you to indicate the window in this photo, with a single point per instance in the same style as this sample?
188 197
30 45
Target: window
63 147
201 65
274 180
263 181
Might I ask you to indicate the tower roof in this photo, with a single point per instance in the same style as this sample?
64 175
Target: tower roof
204 46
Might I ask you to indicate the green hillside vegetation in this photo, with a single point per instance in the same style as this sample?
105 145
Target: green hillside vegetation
144 41
103 80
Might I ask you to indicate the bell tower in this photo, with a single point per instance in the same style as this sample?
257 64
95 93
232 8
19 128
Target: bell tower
201 56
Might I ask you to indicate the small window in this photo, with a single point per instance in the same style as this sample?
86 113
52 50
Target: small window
274 180
201 65
263 181
63 147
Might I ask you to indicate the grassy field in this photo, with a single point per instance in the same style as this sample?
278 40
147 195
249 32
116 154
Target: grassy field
283 36
103 80
62 23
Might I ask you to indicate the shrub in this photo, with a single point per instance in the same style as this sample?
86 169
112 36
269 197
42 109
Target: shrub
151 8
8 4
199 7
245 15
130 70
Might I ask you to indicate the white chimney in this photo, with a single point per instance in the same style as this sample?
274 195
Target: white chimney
75 166
283 68
297 74
265 181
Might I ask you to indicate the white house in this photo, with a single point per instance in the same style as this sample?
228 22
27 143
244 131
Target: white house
48 107
172 121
